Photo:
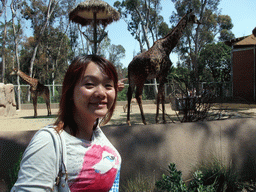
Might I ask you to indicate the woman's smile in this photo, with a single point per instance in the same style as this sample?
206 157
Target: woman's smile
99 104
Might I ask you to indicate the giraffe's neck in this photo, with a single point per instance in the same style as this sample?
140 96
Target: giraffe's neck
29 80
171 40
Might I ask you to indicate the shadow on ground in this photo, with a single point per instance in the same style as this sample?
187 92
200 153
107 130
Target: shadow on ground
40 117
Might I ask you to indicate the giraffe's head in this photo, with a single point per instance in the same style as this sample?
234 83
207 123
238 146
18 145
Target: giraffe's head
192 18
14 71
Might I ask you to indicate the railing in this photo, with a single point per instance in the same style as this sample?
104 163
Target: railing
221 90
55 93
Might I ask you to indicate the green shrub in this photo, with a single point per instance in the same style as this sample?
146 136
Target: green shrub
197 184
13 172
122 95
222 177
172 182
208 178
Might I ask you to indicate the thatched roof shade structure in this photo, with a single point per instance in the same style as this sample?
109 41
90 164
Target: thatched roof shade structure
94 12
84 13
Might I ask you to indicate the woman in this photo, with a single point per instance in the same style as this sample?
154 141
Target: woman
88 99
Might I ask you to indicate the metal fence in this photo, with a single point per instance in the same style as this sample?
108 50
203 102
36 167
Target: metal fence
55 93
222 90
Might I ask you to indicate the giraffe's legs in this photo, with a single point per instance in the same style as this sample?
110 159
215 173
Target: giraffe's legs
34 98
46 96
129 98
138 96
160 98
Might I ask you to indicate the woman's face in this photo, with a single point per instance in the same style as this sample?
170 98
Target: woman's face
94 94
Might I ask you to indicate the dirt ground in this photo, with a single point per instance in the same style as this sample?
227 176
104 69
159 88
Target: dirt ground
24 119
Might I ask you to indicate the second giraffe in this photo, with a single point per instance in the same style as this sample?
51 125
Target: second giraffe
155 63
36 89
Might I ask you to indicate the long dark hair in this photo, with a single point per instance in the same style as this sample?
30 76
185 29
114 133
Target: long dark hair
72 76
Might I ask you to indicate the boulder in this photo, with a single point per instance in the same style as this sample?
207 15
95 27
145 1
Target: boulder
10 100
3 101
7 100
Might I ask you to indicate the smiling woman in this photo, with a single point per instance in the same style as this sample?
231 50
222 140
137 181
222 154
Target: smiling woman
93 164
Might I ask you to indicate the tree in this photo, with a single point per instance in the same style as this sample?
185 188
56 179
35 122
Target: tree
4 9
214 26
216 57
143 19
15 34
40 17
116 53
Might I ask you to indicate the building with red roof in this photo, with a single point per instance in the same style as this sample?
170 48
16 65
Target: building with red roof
243 68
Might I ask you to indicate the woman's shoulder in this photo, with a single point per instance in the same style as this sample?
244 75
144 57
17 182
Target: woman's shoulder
47 130
45 135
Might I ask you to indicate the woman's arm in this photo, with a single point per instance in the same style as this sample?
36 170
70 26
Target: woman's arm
38 168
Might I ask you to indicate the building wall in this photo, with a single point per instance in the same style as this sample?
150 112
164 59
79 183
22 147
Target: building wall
244 74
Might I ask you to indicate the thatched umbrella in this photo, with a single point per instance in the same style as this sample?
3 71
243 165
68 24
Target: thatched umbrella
94 12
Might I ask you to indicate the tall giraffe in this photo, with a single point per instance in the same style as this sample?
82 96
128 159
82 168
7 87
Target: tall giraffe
155 63
36 89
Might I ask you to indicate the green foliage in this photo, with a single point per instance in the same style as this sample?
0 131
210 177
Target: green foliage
217 59
122 96
40 99
13 172
163 29
222 177
214 27
197 185
172 182
57 95
209 177
142 17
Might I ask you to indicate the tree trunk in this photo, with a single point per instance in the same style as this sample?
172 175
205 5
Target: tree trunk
16 51
4 41
195 55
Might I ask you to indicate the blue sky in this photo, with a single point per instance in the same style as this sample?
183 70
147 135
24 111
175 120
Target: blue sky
242 13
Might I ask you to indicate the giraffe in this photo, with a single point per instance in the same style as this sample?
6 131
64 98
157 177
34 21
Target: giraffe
155 63
36 89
